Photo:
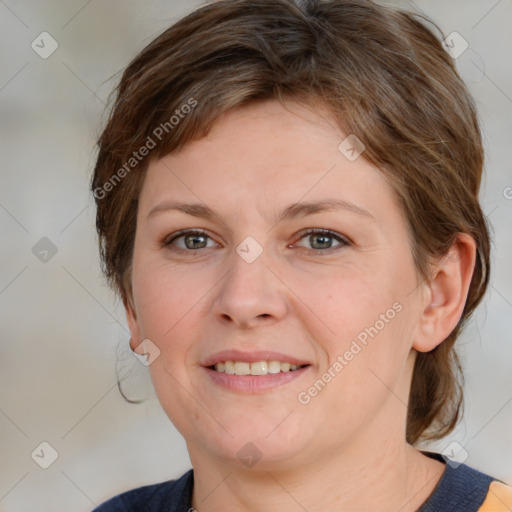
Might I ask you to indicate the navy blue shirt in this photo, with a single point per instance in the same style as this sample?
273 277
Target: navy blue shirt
170 496
461 489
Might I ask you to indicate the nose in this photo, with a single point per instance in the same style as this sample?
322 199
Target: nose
250 294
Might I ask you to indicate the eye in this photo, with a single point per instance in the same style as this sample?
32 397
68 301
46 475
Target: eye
319 239
323 239
190 240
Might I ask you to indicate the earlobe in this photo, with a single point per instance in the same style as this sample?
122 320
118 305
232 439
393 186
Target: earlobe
446 294
131 318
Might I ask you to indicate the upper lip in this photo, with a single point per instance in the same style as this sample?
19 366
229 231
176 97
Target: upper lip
251 357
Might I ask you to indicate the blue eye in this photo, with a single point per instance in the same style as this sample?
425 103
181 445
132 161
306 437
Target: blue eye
323 239
192 240
319 240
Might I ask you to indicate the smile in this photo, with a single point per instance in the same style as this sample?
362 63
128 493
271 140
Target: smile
261 381
255 368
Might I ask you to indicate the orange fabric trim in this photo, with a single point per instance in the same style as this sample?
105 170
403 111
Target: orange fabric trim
499 498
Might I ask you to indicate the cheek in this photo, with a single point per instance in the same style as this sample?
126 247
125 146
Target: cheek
361 321
168 304
365 357
344 301
167 299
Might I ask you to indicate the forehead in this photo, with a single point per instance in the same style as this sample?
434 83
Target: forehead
265 154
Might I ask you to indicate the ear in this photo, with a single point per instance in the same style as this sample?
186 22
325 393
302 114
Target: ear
133 324
446 294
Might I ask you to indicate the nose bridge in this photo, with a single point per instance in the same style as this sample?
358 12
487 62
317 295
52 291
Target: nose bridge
249 291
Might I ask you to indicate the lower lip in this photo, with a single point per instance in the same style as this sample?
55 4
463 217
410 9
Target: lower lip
252 384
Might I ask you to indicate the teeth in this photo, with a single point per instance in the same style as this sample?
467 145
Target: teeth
274 367
242 368
257 368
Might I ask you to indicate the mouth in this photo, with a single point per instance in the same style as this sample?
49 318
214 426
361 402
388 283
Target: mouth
253 372
255 368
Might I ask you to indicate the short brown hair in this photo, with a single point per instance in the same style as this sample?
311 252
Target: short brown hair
385 76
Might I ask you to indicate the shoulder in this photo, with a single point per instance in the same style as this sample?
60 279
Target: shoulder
171 495
465 489
498 499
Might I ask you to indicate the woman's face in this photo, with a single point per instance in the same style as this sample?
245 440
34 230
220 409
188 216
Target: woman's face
304 259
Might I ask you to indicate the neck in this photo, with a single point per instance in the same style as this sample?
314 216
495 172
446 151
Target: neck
375 478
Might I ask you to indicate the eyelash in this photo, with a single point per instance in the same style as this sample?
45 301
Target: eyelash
343 241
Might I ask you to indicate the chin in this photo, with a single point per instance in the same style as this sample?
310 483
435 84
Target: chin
259 446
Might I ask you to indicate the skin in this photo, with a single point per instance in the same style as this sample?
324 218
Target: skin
346 448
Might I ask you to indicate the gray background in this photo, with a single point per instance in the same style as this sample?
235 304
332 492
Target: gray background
62 328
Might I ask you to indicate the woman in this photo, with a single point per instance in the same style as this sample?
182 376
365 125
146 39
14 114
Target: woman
287 204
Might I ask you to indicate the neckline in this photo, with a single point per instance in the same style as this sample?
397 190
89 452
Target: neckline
459 486
188 483
440 484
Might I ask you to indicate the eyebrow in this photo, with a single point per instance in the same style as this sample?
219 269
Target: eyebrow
295 210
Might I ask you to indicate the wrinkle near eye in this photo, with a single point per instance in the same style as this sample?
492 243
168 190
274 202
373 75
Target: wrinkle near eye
312 233
185 235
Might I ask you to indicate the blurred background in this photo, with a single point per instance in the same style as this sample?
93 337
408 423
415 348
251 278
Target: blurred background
68 440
